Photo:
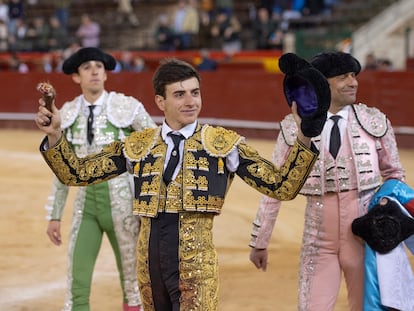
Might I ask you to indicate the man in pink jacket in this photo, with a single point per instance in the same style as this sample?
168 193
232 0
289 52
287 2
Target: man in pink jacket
338 189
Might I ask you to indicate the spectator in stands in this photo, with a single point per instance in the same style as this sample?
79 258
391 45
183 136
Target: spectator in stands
224 6
164 34
47 63
38 33
88 32
207 6
384 64
263 28
4 36
138 64
125 10
277 40
15 64
59 60
73 47
205 38
62 12
314 7
16 12
4 12
329 5
292 10
370 62
125 61
206 63
186 23
18 40
58 38
226 30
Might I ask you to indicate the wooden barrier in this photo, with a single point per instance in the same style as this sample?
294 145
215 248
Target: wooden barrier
250 100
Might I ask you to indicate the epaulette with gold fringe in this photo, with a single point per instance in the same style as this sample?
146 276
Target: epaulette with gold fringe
218 141
139 144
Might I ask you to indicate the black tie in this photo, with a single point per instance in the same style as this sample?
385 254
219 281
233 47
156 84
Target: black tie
174 157
335 141
90 124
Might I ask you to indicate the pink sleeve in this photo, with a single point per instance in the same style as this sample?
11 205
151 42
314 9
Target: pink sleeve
268 207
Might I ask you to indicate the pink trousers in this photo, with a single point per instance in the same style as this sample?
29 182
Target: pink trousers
330 249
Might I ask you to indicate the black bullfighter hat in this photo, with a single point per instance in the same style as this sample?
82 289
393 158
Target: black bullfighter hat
309 88
333 64
384 227
83 55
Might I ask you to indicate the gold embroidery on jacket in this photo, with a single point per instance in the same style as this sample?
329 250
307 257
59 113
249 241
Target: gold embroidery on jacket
139 144
218 141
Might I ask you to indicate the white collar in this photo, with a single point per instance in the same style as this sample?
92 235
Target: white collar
98 102
186 131
343 113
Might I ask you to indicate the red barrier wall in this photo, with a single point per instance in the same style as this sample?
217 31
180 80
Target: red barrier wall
246 95
227 94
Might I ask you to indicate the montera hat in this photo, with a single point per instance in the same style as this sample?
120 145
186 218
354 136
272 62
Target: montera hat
309 89
333 64
384 226
83 55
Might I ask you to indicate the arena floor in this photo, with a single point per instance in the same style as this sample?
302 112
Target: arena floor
32 269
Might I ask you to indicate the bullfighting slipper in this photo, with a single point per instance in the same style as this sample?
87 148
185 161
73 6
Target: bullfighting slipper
309 88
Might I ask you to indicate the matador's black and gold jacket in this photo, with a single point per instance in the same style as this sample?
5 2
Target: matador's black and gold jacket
204 178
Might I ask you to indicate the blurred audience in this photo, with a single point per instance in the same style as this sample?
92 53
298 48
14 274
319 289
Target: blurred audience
205 38
164 34
206 62
4 36
62 12
16 65
18 39
16 13
384 64
185 20
38 34
58 38
4 12
202 25
370 62
88 32
264 27
224 6
276 40
138 64
126 11
226 30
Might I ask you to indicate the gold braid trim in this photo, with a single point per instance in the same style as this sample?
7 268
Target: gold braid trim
143 274
218 141
198 263
285 181
296 170
74 171
139 144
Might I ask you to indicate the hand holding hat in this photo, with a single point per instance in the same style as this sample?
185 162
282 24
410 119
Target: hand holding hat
309 89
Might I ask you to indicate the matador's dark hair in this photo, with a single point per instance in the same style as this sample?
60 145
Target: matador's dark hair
172 70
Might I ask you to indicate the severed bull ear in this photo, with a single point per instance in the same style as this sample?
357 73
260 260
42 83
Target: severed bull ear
48 93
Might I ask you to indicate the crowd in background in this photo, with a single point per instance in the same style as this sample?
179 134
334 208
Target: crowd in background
191 24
